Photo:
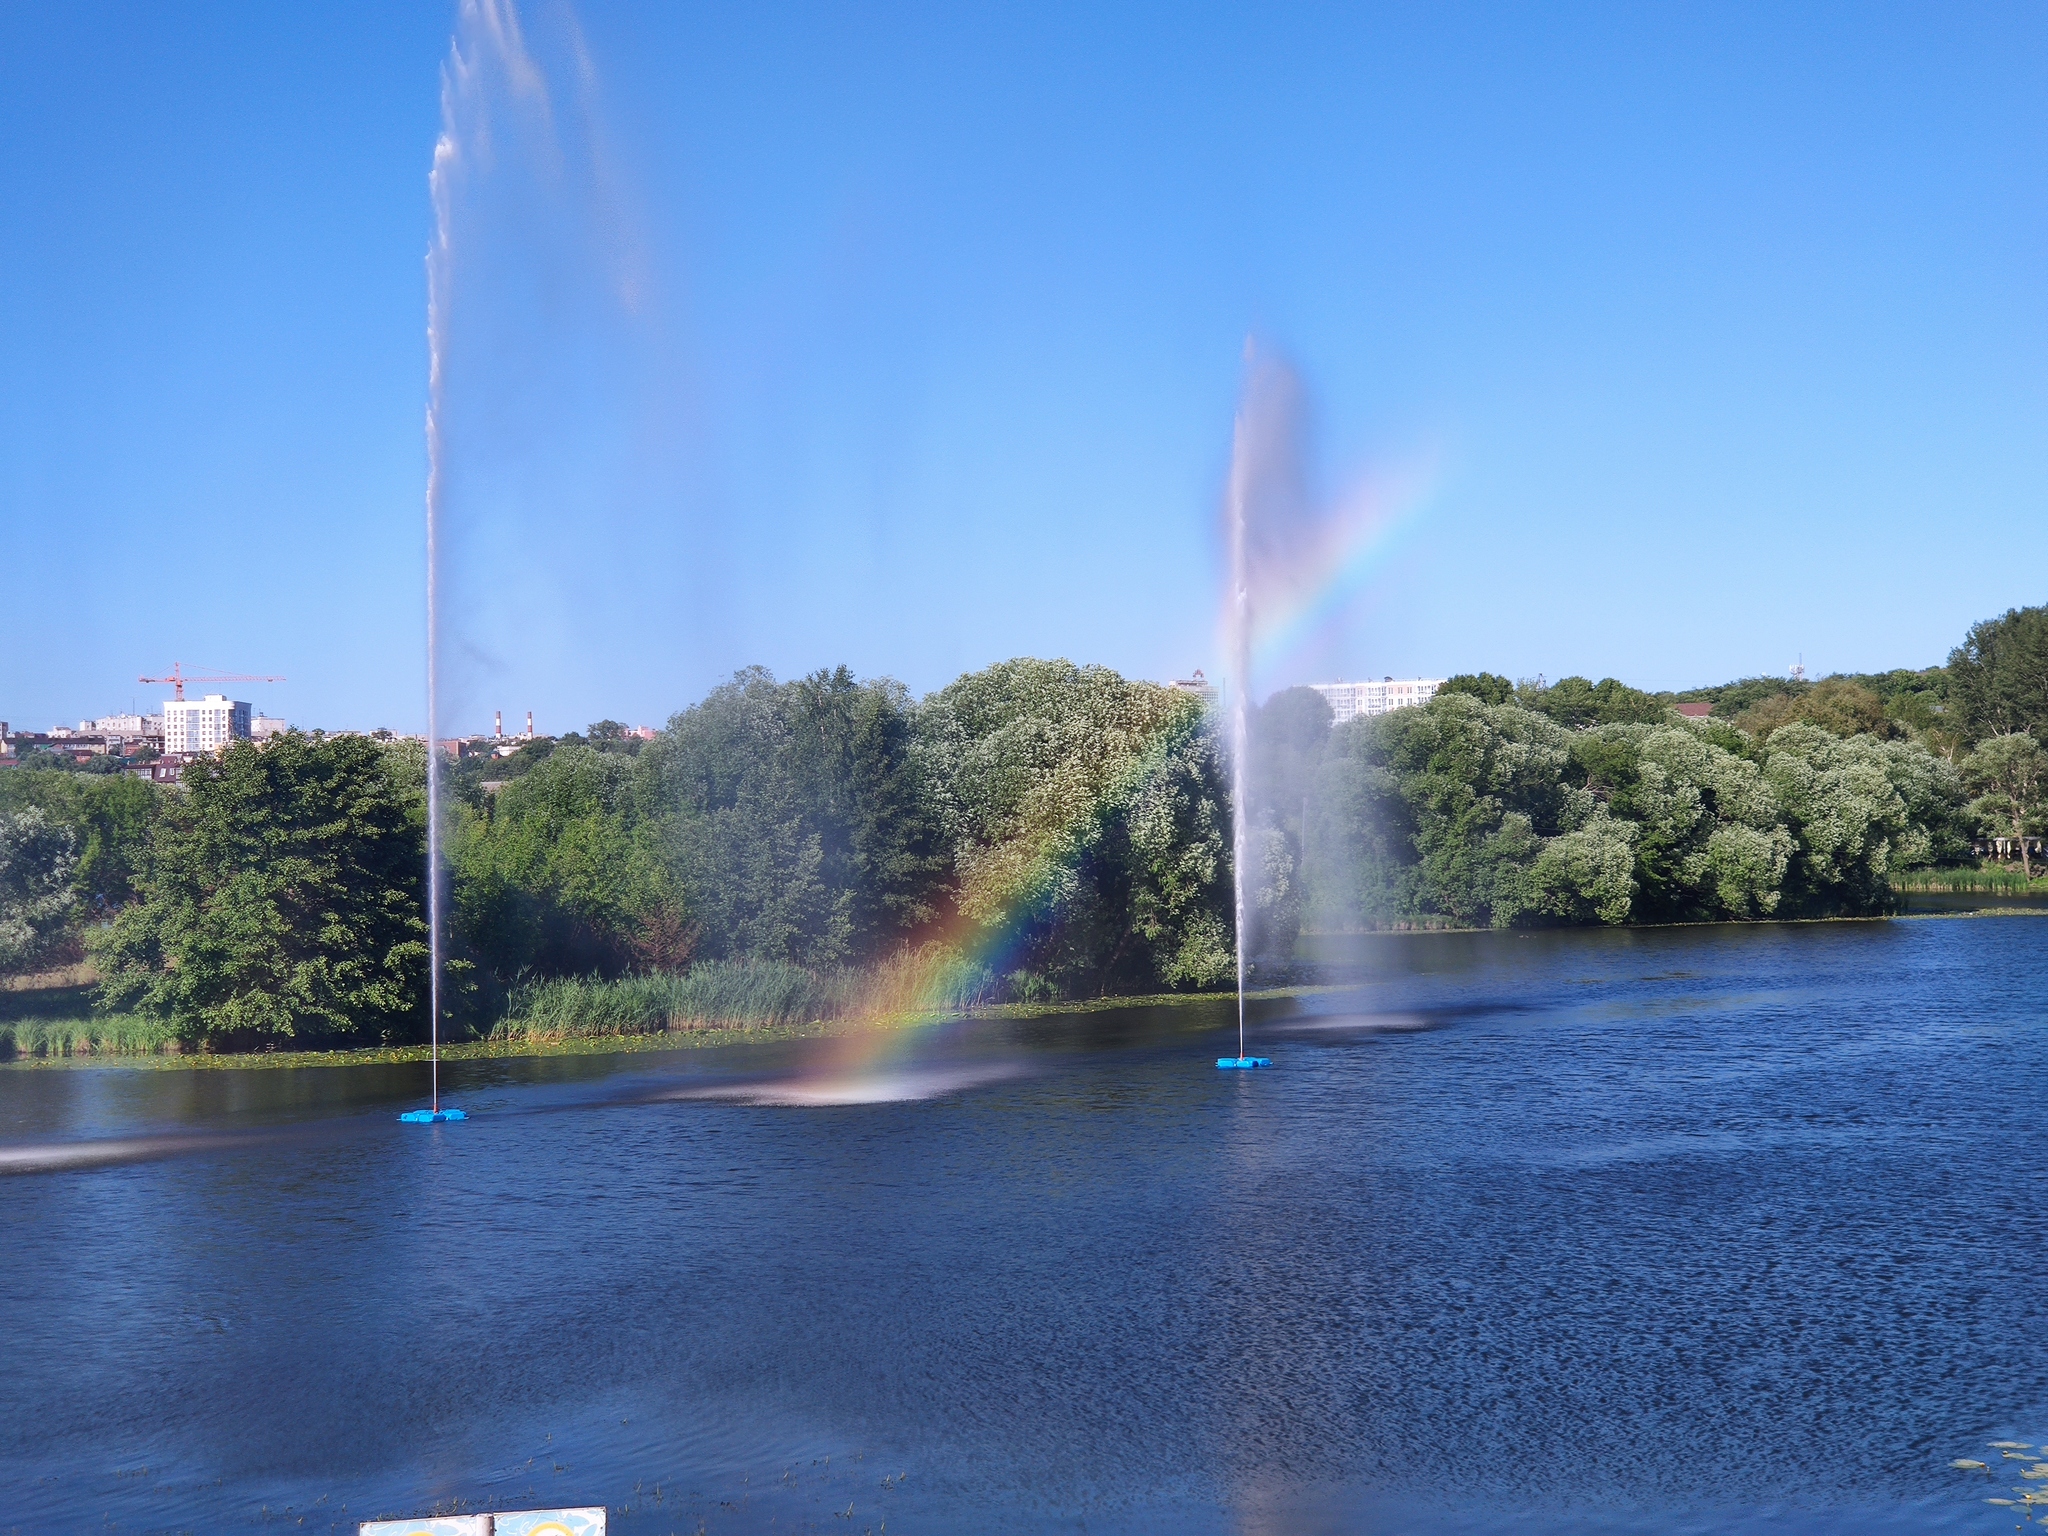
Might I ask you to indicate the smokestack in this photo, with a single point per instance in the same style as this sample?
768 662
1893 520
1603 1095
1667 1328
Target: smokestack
529 725
498 725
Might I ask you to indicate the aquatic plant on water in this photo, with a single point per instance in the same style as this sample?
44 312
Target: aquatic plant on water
2029 1500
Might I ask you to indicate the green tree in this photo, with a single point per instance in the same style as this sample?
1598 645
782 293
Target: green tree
1486 687
1836 704
1850 821
1926 715
1731 699
109 816
1999 676
798 829
37 857
1362 832
566 871
1574 702
1482 787
1706 838
1086 825
2010 777
1498 814
1586 875
284 900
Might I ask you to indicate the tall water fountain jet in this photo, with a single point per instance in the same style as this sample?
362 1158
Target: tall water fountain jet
1262 508
1237 626
537 339
487 38
1299 565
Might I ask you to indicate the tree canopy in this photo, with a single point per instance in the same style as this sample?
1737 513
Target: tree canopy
37 857
1837 705
1086 825
1470 812
1999 676
283 899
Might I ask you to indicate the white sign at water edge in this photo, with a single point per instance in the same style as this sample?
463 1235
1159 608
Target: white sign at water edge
512 1522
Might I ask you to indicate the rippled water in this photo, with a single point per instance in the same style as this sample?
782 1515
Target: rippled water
1678 1230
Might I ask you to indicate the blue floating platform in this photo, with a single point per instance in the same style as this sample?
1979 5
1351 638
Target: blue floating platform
1244 1061
431 1116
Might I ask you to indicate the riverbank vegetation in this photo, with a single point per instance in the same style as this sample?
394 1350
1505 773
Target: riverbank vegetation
831 847
53 1013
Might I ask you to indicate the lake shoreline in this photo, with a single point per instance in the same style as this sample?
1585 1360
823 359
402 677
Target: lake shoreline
713 1036
620 1044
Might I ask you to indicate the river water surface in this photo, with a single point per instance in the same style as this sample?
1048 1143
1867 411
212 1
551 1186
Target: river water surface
1725 1229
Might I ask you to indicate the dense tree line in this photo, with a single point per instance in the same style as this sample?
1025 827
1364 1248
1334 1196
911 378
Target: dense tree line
1583 803
1064 828
1064 822
71 845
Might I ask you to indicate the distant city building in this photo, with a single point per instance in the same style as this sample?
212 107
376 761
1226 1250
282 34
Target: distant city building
1697 710
124 726
263 727
1348 701
204 725
1198 685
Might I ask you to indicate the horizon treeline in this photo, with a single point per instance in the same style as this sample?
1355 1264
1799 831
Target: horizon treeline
1057 829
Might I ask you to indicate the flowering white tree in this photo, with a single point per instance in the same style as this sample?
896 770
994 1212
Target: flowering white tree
2010 777
37 857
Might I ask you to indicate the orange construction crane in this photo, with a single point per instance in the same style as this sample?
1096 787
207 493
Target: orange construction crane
179 678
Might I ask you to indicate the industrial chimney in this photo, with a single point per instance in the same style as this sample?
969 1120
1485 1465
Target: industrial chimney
529 725
498 723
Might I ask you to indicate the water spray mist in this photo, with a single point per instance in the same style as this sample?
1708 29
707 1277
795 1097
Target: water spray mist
1238 627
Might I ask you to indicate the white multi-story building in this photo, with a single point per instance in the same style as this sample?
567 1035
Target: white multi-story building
126 727
1350 700
263 727
204 725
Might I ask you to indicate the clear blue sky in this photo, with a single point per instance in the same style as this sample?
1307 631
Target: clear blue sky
1724 327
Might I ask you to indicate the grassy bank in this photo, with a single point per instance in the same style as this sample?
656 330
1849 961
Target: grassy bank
104 1034
724 995
506 1046
1987 880
169 1059
51 1014
708 996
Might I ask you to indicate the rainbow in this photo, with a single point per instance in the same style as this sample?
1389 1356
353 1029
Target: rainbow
1004 895
1333 561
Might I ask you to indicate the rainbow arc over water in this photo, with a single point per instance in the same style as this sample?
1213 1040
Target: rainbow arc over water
1011 888
1324 569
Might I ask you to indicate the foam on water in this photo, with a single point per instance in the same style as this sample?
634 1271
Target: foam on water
105 1152
892 1085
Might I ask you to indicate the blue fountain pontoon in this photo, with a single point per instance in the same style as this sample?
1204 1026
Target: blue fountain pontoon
1244 1061
431 1116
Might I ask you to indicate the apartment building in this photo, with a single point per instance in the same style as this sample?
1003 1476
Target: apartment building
204 725
1350 700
